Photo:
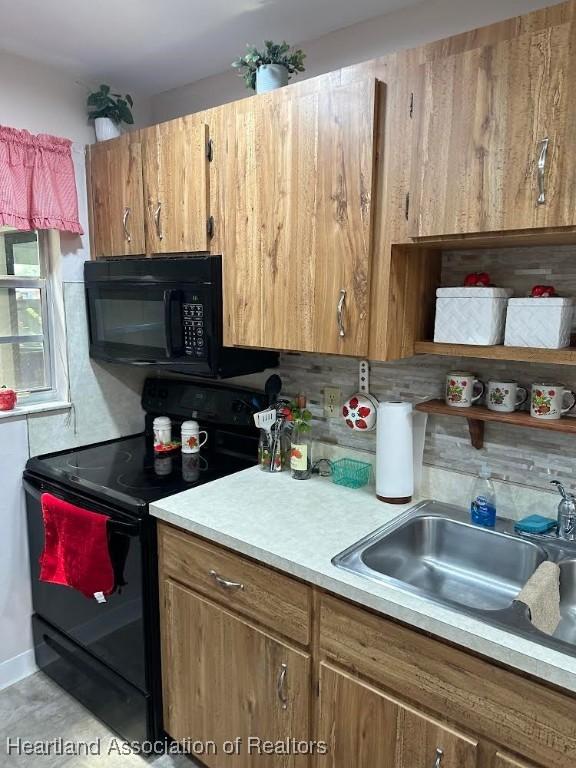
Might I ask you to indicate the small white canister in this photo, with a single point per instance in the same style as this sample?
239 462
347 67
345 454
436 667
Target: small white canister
191 437
544 322
162 428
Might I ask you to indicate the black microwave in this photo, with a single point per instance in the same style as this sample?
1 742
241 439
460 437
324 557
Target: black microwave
165 313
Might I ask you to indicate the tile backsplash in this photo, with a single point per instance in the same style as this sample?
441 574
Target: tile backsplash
530 457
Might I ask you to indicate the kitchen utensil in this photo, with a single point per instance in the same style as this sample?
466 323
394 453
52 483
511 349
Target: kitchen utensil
359 411
265 419
273 387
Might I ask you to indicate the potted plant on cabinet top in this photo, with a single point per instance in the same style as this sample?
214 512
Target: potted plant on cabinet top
108 110
271 68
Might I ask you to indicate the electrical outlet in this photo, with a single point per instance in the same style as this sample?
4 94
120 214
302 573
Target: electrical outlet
332 402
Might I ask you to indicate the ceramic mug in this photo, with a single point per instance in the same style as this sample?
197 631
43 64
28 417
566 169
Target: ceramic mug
191 437
463 389
505 396
548 401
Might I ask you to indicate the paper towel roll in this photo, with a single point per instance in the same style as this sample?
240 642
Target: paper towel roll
394 453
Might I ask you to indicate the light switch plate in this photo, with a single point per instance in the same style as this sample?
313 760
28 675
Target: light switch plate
332 402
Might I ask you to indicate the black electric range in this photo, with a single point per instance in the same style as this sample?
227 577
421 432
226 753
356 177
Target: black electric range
107 655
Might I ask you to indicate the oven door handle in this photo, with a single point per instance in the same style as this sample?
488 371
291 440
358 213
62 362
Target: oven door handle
171 326
114 525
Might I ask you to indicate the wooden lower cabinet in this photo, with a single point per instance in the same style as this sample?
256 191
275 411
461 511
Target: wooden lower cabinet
377 694
224 679
365 728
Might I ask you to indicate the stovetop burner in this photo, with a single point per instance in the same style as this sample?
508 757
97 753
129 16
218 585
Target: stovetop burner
129 471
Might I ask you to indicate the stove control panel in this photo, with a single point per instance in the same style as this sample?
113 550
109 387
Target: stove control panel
194 329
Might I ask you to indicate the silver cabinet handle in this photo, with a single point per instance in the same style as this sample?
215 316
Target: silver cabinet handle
224 583
438 760
281 686
542 157
340 312
127 235
157 214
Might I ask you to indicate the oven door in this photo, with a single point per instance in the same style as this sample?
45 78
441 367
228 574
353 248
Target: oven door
114 631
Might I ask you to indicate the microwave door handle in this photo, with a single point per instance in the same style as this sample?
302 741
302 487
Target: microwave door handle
169 296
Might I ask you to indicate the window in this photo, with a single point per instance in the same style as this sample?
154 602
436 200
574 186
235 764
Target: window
26 360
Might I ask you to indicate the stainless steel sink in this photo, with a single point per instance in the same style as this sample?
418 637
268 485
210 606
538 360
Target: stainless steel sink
567 628
434 551
455 562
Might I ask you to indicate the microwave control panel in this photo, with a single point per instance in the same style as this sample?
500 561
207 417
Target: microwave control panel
194 330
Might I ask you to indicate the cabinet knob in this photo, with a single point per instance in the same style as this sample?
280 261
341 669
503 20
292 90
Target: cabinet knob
542 157
127 235
438 758
281 686
340 312
157 214
225 583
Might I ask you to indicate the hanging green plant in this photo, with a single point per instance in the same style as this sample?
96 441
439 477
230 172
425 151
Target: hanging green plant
273 53
104 103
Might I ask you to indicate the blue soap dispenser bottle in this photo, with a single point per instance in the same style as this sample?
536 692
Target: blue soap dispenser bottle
483 503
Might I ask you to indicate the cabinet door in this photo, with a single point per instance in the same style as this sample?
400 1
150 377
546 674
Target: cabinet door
223 679
176 186
116 203
299 249
496 145
504 761
364 727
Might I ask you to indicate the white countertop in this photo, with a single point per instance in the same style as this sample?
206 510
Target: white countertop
298 527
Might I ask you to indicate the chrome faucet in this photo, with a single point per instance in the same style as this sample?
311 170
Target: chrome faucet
566 513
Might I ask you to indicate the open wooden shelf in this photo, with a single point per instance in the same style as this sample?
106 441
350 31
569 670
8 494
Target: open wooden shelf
476 416
566 356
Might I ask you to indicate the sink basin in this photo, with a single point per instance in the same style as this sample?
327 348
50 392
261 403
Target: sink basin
446 559
455 562
567 628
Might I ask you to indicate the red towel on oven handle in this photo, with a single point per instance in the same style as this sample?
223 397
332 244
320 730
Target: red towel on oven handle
76 550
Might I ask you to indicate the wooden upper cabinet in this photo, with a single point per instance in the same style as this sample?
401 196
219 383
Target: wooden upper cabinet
225 679
298 206
496 144
115 197
176 185
363 727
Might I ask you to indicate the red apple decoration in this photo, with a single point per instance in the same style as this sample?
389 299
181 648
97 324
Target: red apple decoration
7 399
477 280
543 292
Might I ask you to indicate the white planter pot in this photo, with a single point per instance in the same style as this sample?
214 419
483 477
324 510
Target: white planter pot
271 76
106 129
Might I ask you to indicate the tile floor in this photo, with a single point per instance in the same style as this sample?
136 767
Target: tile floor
37 709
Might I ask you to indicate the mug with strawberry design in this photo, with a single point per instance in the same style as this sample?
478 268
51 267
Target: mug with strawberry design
549 401
463 389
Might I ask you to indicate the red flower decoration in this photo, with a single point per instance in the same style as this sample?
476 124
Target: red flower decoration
452 383
353 403
350 423
361 424
552 393
464 383
363 411
539 393
345 411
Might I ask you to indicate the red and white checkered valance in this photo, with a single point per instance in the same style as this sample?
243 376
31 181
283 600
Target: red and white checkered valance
37 184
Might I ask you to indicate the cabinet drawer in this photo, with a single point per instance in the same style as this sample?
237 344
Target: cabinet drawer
510 710
276 601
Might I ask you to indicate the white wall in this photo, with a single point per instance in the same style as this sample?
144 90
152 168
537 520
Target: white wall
45 100
406 28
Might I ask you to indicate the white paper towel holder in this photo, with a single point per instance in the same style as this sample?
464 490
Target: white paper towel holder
395 499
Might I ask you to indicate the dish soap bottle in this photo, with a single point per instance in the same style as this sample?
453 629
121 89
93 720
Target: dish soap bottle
483 505
301 440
